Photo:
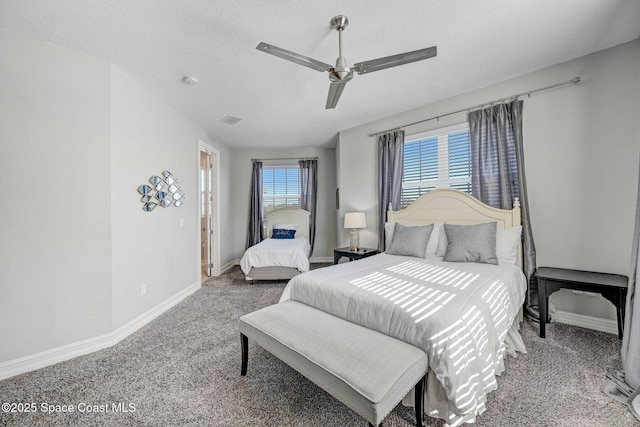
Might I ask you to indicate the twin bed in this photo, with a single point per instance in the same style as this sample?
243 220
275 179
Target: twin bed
456 296
279 259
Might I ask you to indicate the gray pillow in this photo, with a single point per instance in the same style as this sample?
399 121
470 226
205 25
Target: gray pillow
471 243
410 241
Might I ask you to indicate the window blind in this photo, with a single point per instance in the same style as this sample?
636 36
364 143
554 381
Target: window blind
281 188
440 160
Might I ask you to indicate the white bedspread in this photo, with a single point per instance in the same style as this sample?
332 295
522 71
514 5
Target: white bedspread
278 252
458 313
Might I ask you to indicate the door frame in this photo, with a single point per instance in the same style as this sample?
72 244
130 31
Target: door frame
215 214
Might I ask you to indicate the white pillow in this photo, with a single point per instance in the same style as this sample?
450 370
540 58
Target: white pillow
434 239
507 241
442 244
388 233
285 226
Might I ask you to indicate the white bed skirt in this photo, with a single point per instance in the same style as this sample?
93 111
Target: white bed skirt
436 403
271 273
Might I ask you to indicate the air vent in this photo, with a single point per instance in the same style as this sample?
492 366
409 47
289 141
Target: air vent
230 120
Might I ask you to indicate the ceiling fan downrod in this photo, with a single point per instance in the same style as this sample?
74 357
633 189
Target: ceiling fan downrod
341 72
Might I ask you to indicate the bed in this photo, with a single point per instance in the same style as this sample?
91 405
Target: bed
279 259
463 315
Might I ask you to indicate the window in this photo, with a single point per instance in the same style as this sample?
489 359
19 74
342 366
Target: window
438 159
280 187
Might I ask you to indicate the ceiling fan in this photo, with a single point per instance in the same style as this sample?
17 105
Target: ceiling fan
341 73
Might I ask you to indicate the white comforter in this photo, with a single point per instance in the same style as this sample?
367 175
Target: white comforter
278 252
458 313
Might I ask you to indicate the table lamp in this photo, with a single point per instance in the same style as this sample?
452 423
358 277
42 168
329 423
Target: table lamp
354 221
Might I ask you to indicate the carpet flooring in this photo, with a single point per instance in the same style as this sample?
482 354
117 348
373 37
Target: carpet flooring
183 369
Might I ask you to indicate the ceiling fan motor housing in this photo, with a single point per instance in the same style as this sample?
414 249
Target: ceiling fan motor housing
341 72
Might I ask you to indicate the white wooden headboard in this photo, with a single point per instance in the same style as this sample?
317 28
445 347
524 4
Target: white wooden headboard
449 206
289 216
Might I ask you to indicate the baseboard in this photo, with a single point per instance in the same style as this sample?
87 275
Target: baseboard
90 345
132 326
229 265
53 356
589 322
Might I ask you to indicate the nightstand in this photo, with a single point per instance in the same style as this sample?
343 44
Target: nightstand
612 286
351 254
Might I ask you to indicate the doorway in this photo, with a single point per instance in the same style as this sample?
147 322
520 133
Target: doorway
209 208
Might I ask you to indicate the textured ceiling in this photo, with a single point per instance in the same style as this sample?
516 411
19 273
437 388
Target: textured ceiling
281 103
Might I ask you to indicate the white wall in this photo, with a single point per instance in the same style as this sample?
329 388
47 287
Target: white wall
77 138
325 223
152 248
55 227
582 145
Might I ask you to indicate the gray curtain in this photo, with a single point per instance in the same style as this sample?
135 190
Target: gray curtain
309 194
624 385
255 233
498 175
390 167
631 336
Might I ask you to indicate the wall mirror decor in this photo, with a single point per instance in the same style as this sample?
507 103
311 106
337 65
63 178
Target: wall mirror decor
145 189
165 191
148 207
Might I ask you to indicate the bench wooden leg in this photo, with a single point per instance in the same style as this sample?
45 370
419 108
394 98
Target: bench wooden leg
244 344
622 302
419 401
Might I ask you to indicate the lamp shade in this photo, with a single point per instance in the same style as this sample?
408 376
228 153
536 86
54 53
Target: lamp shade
355 220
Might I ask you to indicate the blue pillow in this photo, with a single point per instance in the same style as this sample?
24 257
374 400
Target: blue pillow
279 233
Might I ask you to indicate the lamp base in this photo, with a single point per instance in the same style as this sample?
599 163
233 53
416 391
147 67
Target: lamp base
354 239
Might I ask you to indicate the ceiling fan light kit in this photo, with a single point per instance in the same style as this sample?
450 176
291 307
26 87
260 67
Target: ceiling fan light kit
342 73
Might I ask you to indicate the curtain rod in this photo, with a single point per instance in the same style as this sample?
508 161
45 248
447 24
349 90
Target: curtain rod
512 97
286 158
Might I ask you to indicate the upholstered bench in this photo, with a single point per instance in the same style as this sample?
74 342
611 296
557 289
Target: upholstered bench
368 371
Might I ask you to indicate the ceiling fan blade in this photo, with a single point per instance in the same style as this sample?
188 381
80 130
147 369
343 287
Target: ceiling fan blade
394 60
335 90
293 57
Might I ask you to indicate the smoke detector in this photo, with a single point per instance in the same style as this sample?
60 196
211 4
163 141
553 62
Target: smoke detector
190 80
